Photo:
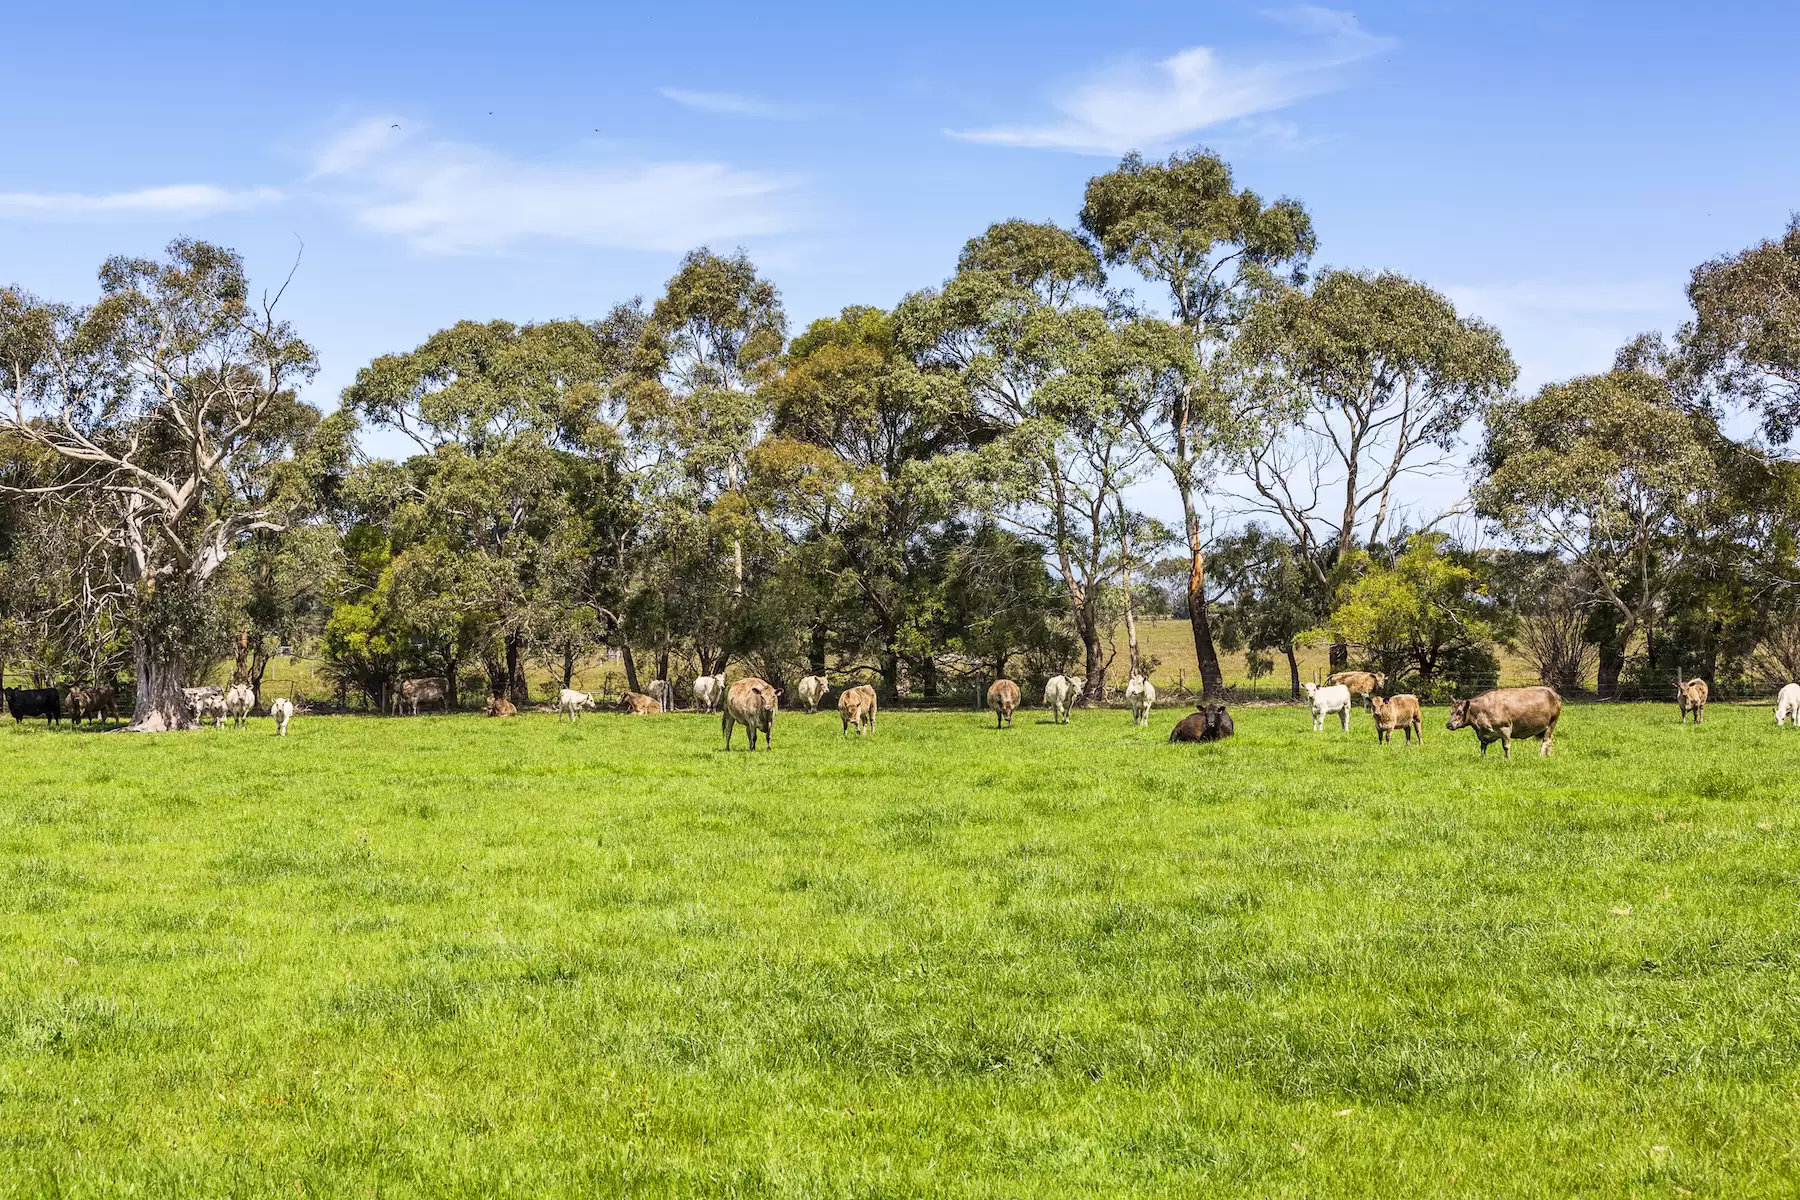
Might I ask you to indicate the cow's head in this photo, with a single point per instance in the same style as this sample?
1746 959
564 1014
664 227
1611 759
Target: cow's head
1312 689
1459 715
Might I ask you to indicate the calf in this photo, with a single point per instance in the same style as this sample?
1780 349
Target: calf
1691 697
1332 698
1787 704
664 695
857 707
568 703
1397 712
707 690
283 712
811 689
638 704
433 689
240 701
210 706
500 706
1003 698
1060 694
90 703
34 702
751 703
1140 694
1506 713
1362 684
1208 723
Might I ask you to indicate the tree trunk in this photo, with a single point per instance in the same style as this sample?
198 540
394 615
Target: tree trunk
928 677
1340 657
452 667
890 674
568 664
160 705
815 650
1612 662
516 688
1212 679
259 666
1293 669
1093 688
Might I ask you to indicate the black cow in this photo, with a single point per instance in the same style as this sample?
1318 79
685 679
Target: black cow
34 702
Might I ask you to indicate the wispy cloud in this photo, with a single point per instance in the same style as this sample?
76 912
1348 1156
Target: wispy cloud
1144 106
733 104
456 198
157 203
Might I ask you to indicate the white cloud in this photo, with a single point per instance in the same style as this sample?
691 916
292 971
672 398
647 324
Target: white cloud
1143 106
157 203
732 104
1559 330
457 198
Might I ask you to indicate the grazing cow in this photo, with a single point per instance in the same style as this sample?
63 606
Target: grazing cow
1208 723
638 704
569 702
1003 698
433 689
856 706
1787 704
500 706
1060 694
239 701
283 712
662 693
1691 697
1140 693
751 703
34 702
91 703
1362 684
1397 712
1506 713
811 689
210 706
1332 698
707 691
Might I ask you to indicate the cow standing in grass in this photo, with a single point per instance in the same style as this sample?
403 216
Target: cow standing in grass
1060 695
570 703
1140 694
1331 698
751 703
92 703
1397 712
707 691
1691 697
664 694
1787 704
1003 698
240 701
811 689
283 712
433 689
857 707
1506 713
34 702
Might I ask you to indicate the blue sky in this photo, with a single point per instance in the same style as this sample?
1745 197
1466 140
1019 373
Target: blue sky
1556 167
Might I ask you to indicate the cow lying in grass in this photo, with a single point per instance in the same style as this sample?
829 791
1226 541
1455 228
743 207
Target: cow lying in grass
1208 723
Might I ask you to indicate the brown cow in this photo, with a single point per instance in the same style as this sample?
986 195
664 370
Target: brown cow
1362 684
857 707
1003 698
1692 697
638 704
500 706
1506 713
433 689
1397 712
751 703
91 703
1208 723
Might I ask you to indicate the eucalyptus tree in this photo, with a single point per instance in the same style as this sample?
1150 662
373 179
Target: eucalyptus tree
1745 335
1025 329
166 400
1215 250
1615 474
485 521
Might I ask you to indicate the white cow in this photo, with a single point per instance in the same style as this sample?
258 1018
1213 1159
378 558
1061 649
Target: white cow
283 712
239 702
707 690
811 689
209 706
1059 694
1333 698
664 694
1140 693
570 703
1787 704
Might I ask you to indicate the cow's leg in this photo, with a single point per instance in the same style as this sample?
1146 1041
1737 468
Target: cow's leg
1549 737
1344 715
725 725
1506 743
769 736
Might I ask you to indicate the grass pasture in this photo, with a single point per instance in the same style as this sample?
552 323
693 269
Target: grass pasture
453 956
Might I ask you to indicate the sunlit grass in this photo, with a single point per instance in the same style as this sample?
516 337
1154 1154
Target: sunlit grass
453 956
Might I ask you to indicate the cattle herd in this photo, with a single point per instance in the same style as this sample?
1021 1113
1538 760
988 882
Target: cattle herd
1499 715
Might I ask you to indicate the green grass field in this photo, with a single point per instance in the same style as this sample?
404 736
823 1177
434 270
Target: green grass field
453 956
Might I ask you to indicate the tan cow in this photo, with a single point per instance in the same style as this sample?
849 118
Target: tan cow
1003 698
1691 697
751 703
500 706
857 707
1506 713
1398 712
1362 684
638 704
